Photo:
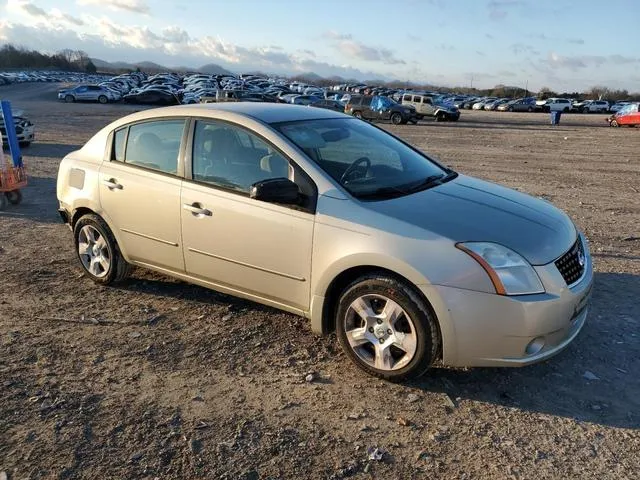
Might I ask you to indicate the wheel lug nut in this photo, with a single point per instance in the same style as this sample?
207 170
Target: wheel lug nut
382 340
379 321
370 329
389 332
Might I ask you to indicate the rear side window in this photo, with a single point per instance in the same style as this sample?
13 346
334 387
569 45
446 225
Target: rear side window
118 144
154 145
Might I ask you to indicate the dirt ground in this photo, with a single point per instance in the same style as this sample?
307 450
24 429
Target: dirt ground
159 379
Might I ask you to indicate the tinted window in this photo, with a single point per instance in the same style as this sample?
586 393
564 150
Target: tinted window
118 144
155 145
406 98
232 158
366 101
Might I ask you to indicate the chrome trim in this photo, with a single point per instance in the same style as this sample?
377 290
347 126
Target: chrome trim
280 274
149 237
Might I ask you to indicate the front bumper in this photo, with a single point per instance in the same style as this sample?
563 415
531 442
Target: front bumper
489 330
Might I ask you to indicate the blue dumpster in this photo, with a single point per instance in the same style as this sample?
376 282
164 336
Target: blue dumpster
555 118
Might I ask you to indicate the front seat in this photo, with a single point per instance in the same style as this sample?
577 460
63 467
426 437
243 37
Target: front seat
274 165
147 150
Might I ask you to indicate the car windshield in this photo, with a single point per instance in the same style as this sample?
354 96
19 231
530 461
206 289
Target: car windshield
367 161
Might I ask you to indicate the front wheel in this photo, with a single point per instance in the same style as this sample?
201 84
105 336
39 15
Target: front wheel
530 109
98 251
102 99
614 123
69 99
386 329
396 118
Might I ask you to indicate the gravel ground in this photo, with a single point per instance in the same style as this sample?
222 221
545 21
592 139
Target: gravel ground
159 379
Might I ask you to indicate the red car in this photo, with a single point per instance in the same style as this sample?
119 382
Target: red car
629 115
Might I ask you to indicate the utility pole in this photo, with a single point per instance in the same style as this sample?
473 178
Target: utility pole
526 89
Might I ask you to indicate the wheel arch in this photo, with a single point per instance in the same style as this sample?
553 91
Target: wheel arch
79 212
323 321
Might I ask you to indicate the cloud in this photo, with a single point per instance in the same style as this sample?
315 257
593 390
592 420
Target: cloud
575 63
134 6
414 38
522 48
345 44
55 17
500 9
482 54
575 41
506 73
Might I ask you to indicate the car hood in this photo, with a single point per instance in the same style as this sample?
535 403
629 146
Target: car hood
468 209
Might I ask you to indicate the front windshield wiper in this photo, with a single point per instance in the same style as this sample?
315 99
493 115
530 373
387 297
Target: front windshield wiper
431 181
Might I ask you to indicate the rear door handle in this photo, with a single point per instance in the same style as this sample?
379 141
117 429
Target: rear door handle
197 209
112 184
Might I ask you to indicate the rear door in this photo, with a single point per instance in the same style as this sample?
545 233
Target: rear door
140 192
232 241
366 109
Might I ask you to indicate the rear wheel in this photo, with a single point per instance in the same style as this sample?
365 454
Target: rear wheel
98 251
14 197
396 118
530 109
102 99
510 109
69 99
386 329
566 109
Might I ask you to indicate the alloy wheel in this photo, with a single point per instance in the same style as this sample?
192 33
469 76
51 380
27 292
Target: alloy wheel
380 332
93 251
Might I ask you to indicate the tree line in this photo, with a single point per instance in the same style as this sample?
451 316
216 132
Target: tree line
12 57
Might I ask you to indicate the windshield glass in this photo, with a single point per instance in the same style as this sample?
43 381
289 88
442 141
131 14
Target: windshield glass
368 162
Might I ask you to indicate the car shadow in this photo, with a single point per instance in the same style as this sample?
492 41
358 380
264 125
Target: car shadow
49 150
608 348
36 202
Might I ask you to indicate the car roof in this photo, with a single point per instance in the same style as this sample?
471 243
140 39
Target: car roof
262 111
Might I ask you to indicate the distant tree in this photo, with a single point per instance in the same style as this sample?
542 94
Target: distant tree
90 67
546 92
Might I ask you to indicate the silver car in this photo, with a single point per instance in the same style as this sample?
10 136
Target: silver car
88 93
329 217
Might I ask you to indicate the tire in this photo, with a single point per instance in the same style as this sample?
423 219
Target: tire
14 197
510 109
614 123
102 99
357 115
585 110
439 117
118 268
69 99
3 202
566 109
530 109
414 321
396 118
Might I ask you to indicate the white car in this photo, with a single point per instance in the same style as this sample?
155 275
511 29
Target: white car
557 105
616 107
596 106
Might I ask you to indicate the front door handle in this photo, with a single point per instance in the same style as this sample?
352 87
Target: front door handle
112 184
196 209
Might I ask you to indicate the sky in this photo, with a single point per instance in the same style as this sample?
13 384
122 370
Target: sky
566 45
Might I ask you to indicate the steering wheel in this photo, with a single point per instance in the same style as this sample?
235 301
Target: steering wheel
352 168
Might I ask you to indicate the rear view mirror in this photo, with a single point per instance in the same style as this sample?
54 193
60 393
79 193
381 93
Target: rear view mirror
336 135
276 190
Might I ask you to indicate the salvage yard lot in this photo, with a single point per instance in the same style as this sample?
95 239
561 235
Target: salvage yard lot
157 378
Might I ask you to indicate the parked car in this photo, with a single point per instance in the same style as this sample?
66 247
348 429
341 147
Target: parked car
329 105
479 105
557 105
616 107
599 106
25 130
580 106
360 106
426 106
87 93
493 105
628 116
153 97
519 105
322 215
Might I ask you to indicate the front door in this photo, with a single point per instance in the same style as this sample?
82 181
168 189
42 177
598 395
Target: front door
140 192
235 242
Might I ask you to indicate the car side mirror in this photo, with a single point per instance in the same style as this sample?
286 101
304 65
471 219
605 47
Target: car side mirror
276 190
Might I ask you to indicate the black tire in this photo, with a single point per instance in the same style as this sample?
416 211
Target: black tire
396 118
119 268
357 114
424 322
585 110
566 109
102 99
14 197
69 99
3 202
530 109
614 123
439 117
510 109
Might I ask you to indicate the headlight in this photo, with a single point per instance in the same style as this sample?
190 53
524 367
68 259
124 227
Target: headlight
509 272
